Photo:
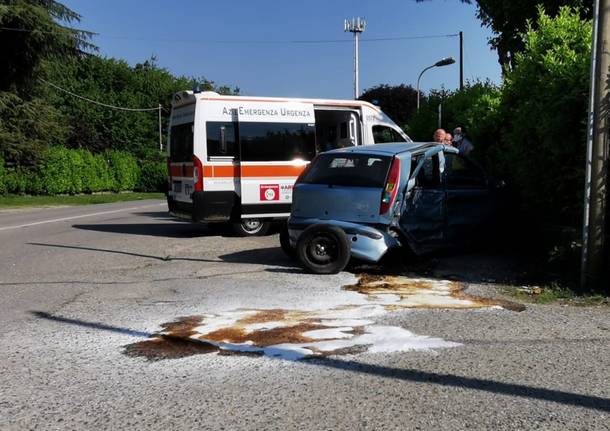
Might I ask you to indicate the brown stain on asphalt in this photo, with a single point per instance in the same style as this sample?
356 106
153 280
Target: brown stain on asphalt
376 285
178 339
163 347
264 337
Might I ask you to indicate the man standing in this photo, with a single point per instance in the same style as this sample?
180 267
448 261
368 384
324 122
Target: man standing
461 143
439 136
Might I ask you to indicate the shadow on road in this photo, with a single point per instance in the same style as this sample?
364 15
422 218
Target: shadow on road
468 267
167 230
92 325
448 380
260 256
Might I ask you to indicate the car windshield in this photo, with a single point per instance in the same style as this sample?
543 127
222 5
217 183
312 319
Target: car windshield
356 170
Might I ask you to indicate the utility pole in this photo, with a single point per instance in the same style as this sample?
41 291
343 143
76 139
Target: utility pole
595 242
440 115
461 60
355 26
160 129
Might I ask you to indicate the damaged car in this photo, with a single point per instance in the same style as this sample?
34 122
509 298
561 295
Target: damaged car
363 201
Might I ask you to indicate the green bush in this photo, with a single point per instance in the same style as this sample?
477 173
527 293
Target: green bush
544 104
2 177
153 175
101 170
78 171
16 181
124 169
57 171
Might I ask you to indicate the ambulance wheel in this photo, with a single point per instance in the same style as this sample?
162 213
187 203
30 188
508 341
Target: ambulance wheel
285 242
323 249
251 227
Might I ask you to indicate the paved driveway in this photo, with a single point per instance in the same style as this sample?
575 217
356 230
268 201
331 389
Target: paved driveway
83 289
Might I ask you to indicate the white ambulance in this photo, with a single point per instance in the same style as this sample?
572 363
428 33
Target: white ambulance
235 159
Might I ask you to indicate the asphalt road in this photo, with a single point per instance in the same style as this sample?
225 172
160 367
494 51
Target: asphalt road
80 284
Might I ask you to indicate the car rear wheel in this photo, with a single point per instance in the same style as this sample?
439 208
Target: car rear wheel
251 227
323 249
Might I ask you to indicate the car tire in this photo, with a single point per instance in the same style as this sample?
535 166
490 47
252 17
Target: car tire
323 249
285 242
251 227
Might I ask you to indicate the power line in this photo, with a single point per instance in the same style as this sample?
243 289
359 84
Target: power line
254 42
120 108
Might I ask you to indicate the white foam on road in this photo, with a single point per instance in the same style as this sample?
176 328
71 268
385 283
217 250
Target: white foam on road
341 327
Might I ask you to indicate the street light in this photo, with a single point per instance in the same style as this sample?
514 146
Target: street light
442 62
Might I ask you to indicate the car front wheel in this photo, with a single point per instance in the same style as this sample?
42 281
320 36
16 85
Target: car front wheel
323 249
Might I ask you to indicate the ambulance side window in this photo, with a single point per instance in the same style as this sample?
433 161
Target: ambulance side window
221 139
276 141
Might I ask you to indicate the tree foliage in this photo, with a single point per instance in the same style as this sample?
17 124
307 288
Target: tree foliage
32 31
544 105
509 20
399 102
475 108
531 131
114 82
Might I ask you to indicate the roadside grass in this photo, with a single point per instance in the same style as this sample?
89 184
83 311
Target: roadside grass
555 294
18 201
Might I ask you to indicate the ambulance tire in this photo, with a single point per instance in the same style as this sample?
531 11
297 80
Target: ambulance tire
323 249
285 243
251 227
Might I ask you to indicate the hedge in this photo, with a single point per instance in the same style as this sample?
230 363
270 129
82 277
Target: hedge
153 175
2 177
68 171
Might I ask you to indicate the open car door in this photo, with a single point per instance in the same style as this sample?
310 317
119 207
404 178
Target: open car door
423 217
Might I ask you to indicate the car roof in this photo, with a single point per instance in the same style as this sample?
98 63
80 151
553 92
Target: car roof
387 149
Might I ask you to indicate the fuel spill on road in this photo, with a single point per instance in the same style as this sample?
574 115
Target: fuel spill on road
298 334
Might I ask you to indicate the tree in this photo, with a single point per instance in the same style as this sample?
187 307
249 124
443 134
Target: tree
508 20
399 102
114 82
475 108
544 104
32 31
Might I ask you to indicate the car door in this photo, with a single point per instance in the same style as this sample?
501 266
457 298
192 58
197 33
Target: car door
469 203
422 219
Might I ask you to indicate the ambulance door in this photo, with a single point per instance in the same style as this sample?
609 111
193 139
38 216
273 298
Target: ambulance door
219 155
276 142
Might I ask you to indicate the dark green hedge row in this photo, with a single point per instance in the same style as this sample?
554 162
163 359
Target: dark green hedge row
67 171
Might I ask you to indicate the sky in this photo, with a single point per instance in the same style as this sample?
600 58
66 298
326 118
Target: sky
257 45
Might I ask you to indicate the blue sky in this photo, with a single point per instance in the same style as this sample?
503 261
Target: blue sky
181 34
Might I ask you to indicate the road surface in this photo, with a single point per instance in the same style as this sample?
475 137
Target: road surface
83 290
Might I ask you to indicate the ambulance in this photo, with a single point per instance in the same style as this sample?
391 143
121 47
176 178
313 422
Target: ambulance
235 159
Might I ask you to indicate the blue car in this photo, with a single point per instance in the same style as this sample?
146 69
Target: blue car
363 201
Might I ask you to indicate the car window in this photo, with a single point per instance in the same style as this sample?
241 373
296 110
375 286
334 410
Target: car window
462 172
428 176
356 170
384 134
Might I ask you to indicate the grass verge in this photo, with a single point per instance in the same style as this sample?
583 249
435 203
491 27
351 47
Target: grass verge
17 201
555 295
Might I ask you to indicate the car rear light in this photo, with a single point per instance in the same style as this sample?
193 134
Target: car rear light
304 172
391 187
197 174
